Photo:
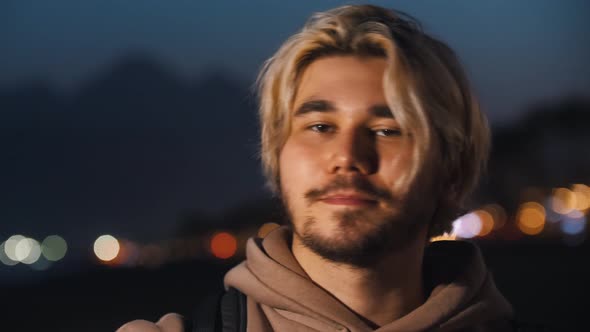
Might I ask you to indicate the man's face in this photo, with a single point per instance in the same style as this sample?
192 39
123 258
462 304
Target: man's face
341 161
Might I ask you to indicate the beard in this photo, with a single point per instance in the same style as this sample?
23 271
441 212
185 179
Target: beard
362 237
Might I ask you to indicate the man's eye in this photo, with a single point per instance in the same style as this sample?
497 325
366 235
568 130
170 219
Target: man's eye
388 132
321 128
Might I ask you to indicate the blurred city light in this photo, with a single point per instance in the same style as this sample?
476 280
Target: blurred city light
530 218
563 200
10 247
550 215
498 215
573 224
575 214
4 258
582 195
41 264
487 222
54 247
106 248
467 226
267 228
223 245
27 251
444 237
129 253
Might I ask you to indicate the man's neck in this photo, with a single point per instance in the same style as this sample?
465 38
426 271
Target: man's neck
380 294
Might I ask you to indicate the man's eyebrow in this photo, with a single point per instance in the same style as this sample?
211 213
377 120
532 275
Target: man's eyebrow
382 111
314 106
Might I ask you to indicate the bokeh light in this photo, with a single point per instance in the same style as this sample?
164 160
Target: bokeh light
467 226
54 247
573 223
27 251
575 214
487 222
106 248
4 258
563 200
444 237
582 195
498 215
267 228
530 218
10 246
129 253
41 264
223 245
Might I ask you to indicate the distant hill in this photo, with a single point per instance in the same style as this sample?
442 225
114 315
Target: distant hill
550 147
128 152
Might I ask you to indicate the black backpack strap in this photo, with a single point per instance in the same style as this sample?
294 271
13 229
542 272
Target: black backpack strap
221 311
207 316
234 311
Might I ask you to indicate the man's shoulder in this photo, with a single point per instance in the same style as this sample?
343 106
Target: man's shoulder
171 322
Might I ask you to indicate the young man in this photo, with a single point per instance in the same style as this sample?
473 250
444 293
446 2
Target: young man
372 138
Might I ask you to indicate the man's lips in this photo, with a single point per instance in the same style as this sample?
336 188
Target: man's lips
350 200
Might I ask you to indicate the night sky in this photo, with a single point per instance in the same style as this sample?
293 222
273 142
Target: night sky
516 53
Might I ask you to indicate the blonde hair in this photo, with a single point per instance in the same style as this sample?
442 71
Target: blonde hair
424 84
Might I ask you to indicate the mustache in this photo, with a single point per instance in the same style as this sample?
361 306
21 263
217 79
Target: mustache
349 183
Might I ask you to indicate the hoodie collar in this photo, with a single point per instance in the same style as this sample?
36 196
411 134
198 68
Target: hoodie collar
462 290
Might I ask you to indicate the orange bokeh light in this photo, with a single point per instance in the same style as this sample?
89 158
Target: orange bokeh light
582 195
223 245
487 222
444 237
531 218
498 215
563 201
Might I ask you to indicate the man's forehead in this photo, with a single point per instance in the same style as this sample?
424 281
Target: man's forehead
335 69
345 81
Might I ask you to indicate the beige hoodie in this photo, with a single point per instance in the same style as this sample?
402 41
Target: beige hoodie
281 297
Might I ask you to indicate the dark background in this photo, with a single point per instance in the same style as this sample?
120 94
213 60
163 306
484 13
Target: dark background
137 119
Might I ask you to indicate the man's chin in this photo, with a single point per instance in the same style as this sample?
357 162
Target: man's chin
353 242
356 251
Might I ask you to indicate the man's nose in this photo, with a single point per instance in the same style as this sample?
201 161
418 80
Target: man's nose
353 151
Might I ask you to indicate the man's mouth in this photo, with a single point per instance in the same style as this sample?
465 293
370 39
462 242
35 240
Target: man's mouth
348 200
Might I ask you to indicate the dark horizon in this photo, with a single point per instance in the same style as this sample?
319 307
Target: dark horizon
138 147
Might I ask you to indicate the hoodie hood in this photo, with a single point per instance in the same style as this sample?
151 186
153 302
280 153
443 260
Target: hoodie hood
282 297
